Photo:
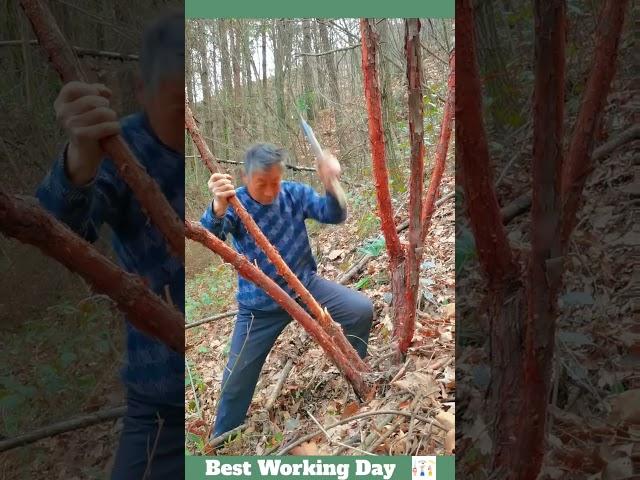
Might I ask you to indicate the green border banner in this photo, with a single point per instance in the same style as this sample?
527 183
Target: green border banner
321 468
319 9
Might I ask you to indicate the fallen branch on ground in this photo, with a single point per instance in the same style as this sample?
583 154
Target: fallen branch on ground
63 427
220 316
276 391
220 439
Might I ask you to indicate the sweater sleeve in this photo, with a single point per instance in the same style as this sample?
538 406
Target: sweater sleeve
220 226
324 209
83 208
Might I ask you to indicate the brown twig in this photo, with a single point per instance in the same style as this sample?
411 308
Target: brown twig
62 427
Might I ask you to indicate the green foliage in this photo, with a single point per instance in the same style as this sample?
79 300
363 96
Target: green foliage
374 247
363 283
209 291
60 375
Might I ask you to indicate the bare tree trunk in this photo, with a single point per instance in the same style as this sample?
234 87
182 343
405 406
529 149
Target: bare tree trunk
202 43
397 254
416 139
545 267
507 302
246 62
578 163
307 72
332 71
265 127
236 109
227 87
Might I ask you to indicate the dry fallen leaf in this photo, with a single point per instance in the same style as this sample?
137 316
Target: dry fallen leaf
448 311
350 409
305 449
335 254
447 420
626 407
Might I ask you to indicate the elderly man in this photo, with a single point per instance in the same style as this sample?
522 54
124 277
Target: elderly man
84 190
280 209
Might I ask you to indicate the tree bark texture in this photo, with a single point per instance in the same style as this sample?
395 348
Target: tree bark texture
406 323
145 310
578 164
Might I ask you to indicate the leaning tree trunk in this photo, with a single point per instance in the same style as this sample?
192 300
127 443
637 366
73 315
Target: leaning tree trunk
321 315
441 150
254 274
144 309
145 189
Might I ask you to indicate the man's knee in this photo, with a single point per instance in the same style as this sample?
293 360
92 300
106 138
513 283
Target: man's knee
363 310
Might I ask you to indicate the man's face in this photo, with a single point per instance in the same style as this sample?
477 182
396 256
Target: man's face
264 186
165 104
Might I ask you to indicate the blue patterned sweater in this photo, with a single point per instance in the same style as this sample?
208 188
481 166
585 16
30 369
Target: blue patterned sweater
152 370
283 224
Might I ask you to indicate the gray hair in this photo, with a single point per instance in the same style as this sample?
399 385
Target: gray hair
262 156
162 53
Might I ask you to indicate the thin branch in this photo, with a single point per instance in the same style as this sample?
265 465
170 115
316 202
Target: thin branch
232 162
329 52
441 150
210 319
64 426
80 51
308 437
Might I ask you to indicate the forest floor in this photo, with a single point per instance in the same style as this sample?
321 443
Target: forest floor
594 415
314 393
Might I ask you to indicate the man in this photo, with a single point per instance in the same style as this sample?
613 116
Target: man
280 209
84 190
